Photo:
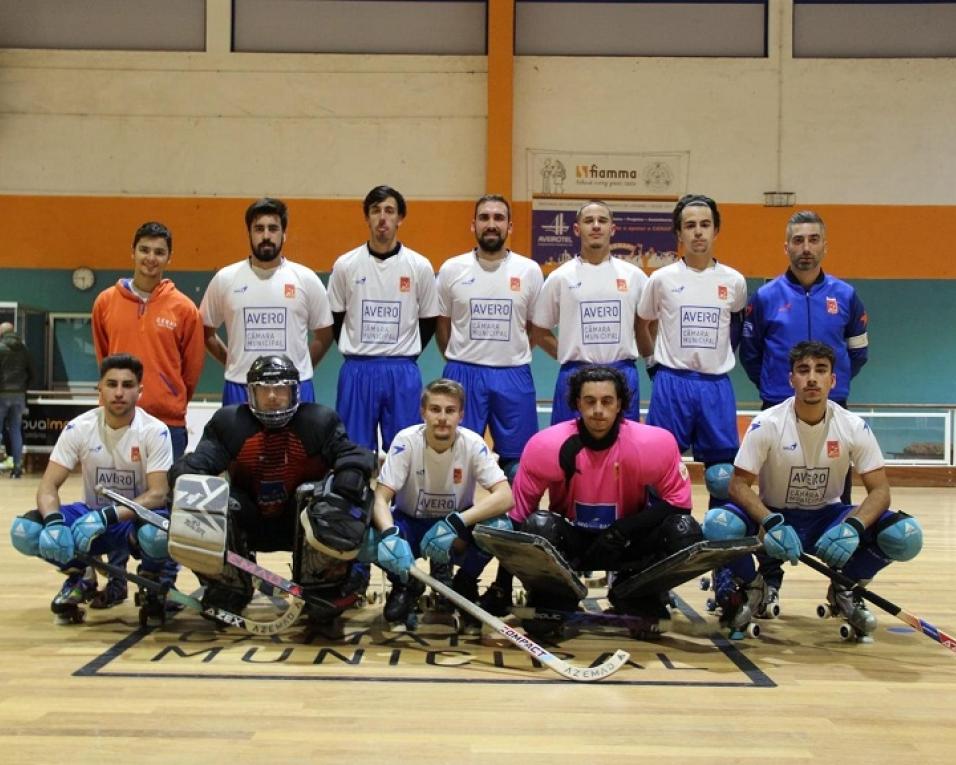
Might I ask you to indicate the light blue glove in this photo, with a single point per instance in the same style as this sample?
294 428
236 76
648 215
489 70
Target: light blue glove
780 540
56 540
153 541
437 542
502 522
395 554
838 543
367 550
91 525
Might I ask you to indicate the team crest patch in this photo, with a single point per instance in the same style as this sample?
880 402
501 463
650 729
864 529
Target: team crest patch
134 454
290 290
722 291
405 284
456 475
622 285
516 284
833 449
832 306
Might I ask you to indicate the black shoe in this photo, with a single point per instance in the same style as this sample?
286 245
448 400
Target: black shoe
496 600
401 599
219 595
113 594
16 473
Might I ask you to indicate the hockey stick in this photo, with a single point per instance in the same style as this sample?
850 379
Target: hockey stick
285 620
526 644
891 608
253 569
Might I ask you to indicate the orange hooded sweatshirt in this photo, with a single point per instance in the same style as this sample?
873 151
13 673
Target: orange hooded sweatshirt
165 333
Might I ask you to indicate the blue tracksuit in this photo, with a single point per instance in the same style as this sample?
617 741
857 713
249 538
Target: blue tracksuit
782 313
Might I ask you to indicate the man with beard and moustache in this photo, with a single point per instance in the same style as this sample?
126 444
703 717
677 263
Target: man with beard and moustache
425 500
269 305
803 304
592 299
384 306
485 299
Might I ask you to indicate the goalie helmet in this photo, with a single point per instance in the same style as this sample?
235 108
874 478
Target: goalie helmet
273 386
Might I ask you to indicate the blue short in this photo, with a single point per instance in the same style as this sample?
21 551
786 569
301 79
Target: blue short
378 391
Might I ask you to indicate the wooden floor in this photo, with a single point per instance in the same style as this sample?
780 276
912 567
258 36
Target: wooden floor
104 692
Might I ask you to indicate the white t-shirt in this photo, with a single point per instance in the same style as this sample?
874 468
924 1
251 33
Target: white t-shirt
429 484
693 311
489 309
266 312
118 459
594 308
801 466
383 301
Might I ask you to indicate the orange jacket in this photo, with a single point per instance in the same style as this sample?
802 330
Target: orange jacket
165 333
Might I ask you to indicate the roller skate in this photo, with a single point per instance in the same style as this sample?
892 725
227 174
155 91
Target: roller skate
467 587
151 602
114 593
401 605
79 588
736 603
496 600
859 623
769 604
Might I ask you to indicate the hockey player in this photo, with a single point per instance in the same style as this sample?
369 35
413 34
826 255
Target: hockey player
121 447
384 306
425 499
485 299
592 299
270 447
619 496
690 316
800 451
269 305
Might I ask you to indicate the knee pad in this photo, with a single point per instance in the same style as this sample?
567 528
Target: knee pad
154 542
549 525
25 533
717 479
722 523
679 530
902 539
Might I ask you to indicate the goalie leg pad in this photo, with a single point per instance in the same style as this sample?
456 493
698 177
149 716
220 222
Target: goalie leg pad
333 524
199 524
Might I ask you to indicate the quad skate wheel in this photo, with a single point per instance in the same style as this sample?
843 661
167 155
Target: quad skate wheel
772 611
65 618
752 630
373 597
711 604
824 611
847 632
704 583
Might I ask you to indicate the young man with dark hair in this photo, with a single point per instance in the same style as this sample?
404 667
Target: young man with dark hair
800 451
384 306
119 446
269 305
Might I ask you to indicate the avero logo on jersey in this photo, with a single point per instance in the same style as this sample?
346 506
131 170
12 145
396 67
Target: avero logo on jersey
721 291
456 475
833 449
516 284
290 290
134 454
832 306
622 285
405 284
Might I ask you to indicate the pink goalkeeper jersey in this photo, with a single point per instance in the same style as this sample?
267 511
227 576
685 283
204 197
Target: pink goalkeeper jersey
606 485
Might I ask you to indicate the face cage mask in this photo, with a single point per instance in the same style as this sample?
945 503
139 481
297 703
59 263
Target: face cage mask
274 418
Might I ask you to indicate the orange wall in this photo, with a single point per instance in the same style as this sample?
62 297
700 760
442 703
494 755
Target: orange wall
865 241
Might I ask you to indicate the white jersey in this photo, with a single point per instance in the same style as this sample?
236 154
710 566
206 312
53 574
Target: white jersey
429 484
383 301
693 311
489 309
266 312
118 459
594 308
803 466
